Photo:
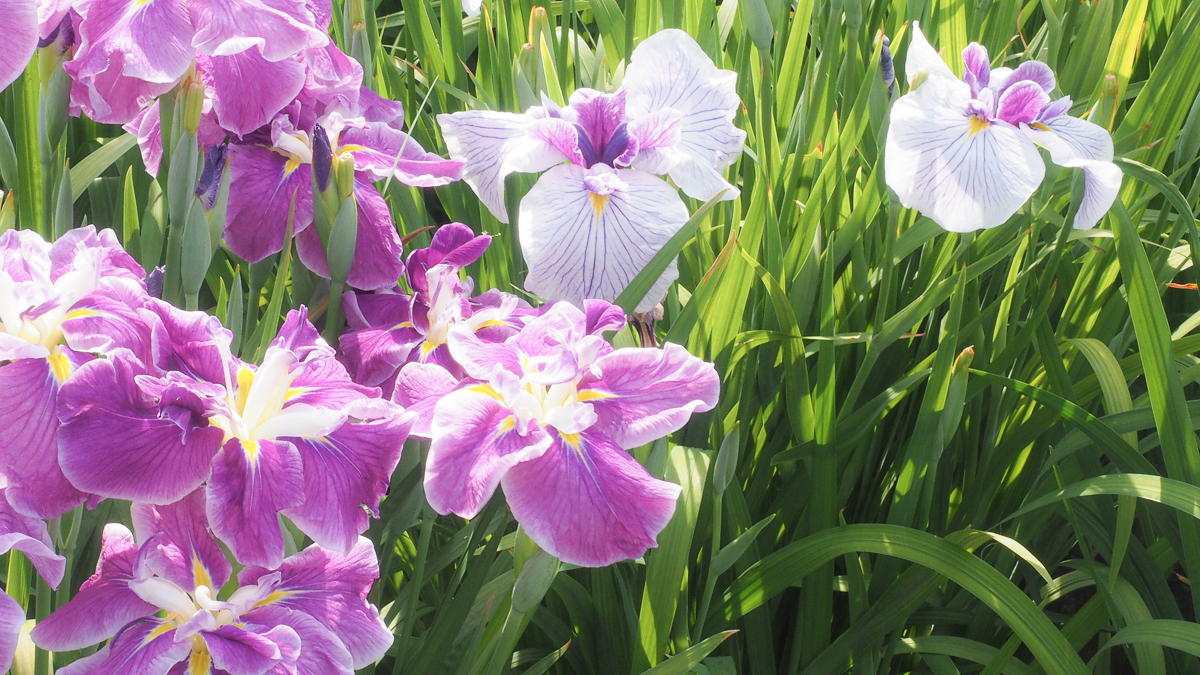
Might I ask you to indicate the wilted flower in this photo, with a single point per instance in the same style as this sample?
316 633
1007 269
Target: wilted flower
42 287
158 599
590 225
398 341
28 535
965 153
294 436
553 412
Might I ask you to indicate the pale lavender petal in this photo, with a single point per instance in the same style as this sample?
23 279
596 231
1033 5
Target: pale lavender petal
25 255
479 359
332 588
1055 108
669 70
322 653
251 483
922 56
29 440
95 252
374 108
383 151
324 383
29 535
346 475
419 387
476 439
262 187
117 443
964 175
280 28
978 67
1022 103
146 126
494 144
659 129
248 90
587 502
12 619
244 651
377 262
19 35
1031 71
185 551
104 602
580 244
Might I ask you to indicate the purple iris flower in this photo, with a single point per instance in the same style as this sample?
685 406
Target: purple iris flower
399 342
43 287
28 535
599 213
173 409
270 171
965 152
156 597
550 418
19 35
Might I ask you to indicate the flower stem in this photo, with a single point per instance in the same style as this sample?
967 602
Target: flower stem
416 582
17 587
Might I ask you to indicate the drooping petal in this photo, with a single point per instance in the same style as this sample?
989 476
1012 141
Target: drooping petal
1080 144
147 128
280 28
12 618
963 173
669 70
642 395
109 96
322 653
251 483
582 244
144 647
602 316
177 544
922 56
377 251
475 441
492 145
262 187
346 472
332 588
373 355
29 440
244 651
248 90
1083 139
29 536
19 35
419 387
104 602
383 151
117 443
154 39
587 502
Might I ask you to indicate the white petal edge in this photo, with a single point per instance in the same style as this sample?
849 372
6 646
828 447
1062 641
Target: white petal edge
962 181
1079 144
578 250
922 56
669 70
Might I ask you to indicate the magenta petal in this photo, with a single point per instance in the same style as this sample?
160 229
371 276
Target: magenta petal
261 189
383 151
29 535
280 28
117 443
177 544
603 317
1022 103
238 651
642 395
147 128
332 588
86 248
373 355
475 441
478 358
331 75
587 502
1030 71
344 473
297 334
141 648
248 90
419 387
453 244
322 653
248 489
372 310
104 602
29 440
978 70
19 35
377 251
12 619
108 96
154 39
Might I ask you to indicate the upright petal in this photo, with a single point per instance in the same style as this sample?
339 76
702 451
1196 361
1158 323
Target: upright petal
1080 144
1030 71
29 440
19 35
669 70
280 28
922 56
492 145
262 187
1021 103
346 472
475 441
104 602
248 90
587 502
332 588
117 443
582 240
963 173
377 262
177 544
251 483
978 68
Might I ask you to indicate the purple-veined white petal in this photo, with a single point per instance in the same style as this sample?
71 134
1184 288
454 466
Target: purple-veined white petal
492 145
669 70
19 35
587 502
586 233
251 483
1077 143
922 56
964 173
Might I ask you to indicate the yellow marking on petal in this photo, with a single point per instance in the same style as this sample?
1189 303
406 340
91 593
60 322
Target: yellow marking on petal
82 313
486 390
200 574
61 366
352 147
245 379
139 3
251 450
977 125
571 440
427 348
1040 127
274 597
293 392
159 630
506 425
598 202
405 324
492 322
292 164
592 395
201 662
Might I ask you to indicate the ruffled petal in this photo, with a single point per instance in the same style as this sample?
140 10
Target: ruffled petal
418 388
669 70
248 90
587 502
29 439
492 145
475 441
251 483
19 35
177 544
322 653
965 175
383 151
153 39
262 186
922 56
244 651
280 28
29 535
580 244
377 251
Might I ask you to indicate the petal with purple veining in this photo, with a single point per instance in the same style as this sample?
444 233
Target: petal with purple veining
251 483
19 35
262 187
248 90
177 543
